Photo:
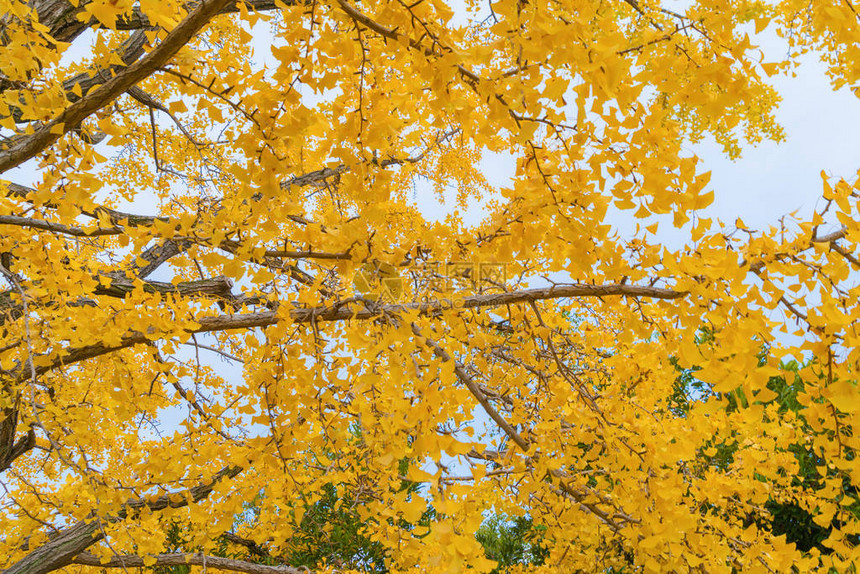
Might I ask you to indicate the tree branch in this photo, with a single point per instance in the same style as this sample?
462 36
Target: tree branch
474 389
186 558
343 313
29 146
831 238
121 220
70 230
61 16
137 20
61 548
23 445
119 286
489 300
129 52
219 286
159 254
252 546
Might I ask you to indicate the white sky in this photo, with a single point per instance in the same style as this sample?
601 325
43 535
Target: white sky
770 180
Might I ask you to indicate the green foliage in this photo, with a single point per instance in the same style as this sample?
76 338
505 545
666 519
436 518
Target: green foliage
789 518
786 518
332 533
512 540
176 541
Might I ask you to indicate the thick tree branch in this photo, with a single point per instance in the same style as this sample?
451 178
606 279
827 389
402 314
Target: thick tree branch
70 230
45 136
11 451
158 255
343 313
61 16
188 558
252 546
219 286
120 287
61 548
182 498
137 20
487 300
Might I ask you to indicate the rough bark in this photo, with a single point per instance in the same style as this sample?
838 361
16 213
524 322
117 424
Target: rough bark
121 286
29 146
62 547
61 16
191 559
216 286
10 449
58 551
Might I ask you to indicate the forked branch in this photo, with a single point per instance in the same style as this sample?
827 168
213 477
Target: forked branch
63 547
46 135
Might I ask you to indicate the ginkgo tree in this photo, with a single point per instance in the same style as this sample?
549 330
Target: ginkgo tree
220 283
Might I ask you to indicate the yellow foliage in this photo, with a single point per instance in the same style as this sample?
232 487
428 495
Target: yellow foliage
300 296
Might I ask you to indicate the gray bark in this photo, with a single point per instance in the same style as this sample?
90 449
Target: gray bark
62 547
191 559
29 146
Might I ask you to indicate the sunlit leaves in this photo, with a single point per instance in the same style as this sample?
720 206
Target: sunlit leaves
285 165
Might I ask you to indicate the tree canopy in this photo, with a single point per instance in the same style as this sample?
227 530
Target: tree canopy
229 330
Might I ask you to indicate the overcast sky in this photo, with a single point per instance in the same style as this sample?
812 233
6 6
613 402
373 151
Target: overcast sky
823 133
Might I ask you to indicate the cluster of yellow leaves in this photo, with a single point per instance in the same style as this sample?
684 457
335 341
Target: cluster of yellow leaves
280 153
